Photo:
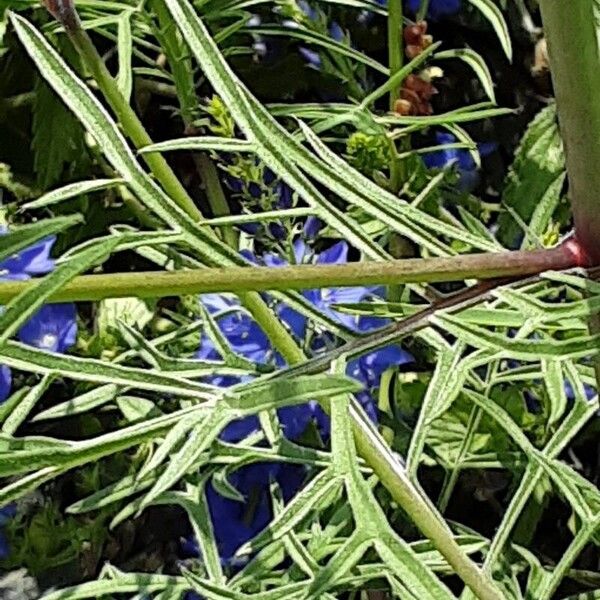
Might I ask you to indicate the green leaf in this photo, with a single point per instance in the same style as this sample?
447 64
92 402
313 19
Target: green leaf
531 184
72 191
130 311
586 345
555 384
318 39
198 439
23 236
124 583
447 381
123 488
75 94
20 412
57 137
297 510
494 15
283 153
125 52
33 360
476 62
80 404
74 454
221 144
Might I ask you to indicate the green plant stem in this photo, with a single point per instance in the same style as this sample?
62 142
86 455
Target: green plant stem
183 75
395 46
157 284
571 31
216 197
130 122
395 63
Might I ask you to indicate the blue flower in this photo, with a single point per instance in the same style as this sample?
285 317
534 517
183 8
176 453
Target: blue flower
312 226
52 328
437 8
235 522
5 382
34 260
247 339
459 158
589 391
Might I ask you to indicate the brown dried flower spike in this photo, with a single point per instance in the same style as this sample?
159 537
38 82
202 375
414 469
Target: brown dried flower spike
64 12
416 40
415 97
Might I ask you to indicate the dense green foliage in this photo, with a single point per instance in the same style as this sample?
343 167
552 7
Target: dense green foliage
213 133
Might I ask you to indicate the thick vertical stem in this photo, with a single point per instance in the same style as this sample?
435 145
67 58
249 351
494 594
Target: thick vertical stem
395 55
572 32
570 29
395 61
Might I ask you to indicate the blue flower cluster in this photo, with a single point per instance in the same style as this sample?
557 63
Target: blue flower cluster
236 522
458 158
52 328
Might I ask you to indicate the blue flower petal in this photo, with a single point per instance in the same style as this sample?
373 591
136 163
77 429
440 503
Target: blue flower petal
336 32
5 382
4 547
240 429
311 57
234 522
52 328
34 260
336 255
312 227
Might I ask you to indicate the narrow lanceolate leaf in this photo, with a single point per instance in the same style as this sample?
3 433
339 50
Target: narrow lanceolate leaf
125 583
172 440
305 501
193 501
74 454
20 412
578 347
197 442
319 39
21 308
262 395
400 215
125 51
120 490
476 62
494 15
26 485
26 235
239 401
200 143
80 404
72 191
33 360
446 383
555 384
